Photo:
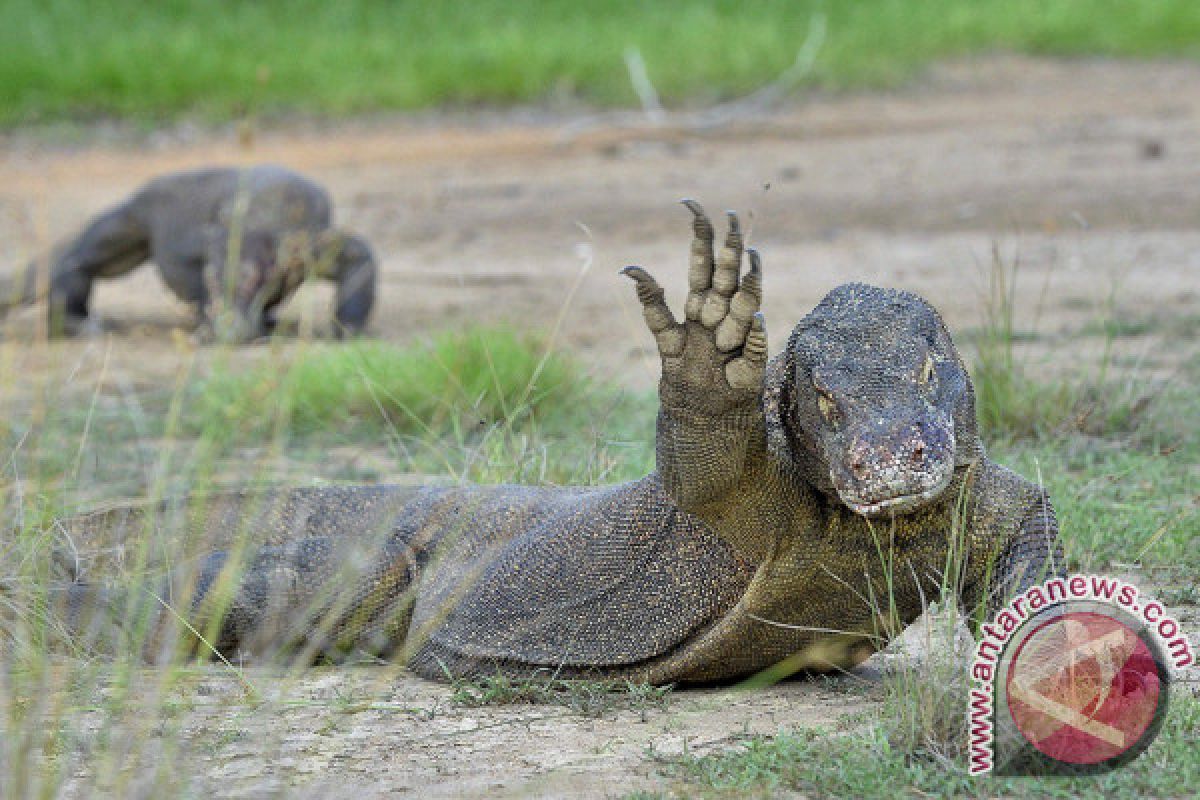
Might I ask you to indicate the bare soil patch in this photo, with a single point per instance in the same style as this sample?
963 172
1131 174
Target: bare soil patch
371 732
1084 171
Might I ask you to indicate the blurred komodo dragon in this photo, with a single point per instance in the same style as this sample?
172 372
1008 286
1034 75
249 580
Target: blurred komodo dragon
274 223
803 511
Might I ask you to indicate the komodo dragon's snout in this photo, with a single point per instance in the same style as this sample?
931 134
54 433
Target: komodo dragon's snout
892 461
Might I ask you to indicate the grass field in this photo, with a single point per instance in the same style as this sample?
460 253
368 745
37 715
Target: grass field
868 764
69 59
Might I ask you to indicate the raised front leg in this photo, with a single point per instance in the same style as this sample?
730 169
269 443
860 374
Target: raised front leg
710 421
112 244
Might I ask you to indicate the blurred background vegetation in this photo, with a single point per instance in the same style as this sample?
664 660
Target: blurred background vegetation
73 59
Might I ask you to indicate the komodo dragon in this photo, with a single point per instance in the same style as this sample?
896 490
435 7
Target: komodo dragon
274 223
802 512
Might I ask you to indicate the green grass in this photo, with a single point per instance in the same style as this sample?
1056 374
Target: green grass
479 376
1015 400
1117 456
70 59
865 764
1119 504
1115 448
485 404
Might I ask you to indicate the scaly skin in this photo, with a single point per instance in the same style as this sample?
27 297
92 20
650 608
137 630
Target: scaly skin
273 222
801 514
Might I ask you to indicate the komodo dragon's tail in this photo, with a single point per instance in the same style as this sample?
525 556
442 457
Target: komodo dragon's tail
146 541
22 289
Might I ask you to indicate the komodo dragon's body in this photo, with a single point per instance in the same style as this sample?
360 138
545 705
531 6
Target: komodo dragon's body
802 512
274 224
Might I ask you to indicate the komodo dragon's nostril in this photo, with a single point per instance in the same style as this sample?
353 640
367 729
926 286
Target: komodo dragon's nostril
918 452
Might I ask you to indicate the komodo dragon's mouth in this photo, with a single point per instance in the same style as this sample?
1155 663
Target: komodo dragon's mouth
896 504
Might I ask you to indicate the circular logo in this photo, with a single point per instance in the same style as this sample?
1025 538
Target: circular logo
1085 688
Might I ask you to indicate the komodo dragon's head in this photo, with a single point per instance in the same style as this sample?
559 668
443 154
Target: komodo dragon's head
272 264
874 405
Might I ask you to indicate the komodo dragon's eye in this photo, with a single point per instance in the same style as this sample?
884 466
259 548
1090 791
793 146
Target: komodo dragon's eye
928 374
827 407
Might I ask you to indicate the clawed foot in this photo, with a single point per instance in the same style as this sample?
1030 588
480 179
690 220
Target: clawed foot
91 326
721 346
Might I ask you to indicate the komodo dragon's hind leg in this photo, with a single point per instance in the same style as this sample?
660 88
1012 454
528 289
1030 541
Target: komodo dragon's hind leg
112 244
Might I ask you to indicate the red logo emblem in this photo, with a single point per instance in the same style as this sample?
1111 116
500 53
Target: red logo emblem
1083 688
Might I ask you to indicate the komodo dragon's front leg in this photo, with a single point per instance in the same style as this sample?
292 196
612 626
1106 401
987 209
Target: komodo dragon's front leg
346 260
710 423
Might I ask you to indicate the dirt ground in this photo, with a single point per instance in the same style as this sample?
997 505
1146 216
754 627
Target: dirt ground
370 732
1086 172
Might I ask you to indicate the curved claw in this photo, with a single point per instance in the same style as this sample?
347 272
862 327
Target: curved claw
755 261
648 290
742 316
700 260
659 319
735 226
725 274
701 223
